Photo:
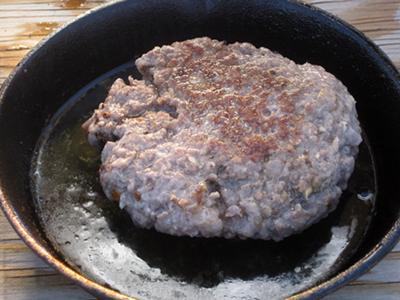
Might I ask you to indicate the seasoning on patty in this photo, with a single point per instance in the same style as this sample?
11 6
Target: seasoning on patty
226 140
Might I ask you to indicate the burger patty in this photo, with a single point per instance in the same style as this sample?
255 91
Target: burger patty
226 140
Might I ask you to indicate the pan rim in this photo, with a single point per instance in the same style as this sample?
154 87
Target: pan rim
385 245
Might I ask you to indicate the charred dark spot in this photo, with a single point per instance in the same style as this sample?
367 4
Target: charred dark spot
220 169
115 195
181 72
213 185
137 195
266 112
168 108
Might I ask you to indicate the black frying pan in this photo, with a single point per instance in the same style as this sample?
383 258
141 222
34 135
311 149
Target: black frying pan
48 178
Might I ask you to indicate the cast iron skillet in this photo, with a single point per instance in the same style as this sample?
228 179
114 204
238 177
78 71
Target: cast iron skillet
110 36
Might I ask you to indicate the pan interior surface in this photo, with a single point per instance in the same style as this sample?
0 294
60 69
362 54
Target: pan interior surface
98 239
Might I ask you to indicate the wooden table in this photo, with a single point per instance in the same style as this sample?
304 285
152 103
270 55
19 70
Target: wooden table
24 22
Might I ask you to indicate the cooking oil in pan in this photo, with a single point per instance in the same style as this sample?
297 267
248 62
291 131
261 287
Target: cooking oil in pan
98 239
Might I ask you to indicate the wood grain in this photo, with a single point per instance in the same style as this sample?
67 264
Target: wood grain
24 22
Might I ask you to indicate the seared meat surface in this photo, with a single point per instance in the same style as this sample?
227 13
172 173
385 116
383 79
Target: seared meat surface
226 140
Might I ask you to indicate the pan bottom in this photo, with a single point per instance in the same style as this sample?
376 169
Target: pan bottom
99 240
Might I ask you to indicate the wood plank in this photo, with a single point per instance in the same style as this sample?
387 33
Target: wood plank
24 23
23 275
367 292
378 19
39 284
6 231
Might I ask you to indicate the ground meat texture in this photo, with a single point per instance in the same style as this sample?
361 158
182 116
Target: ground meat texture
226 140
